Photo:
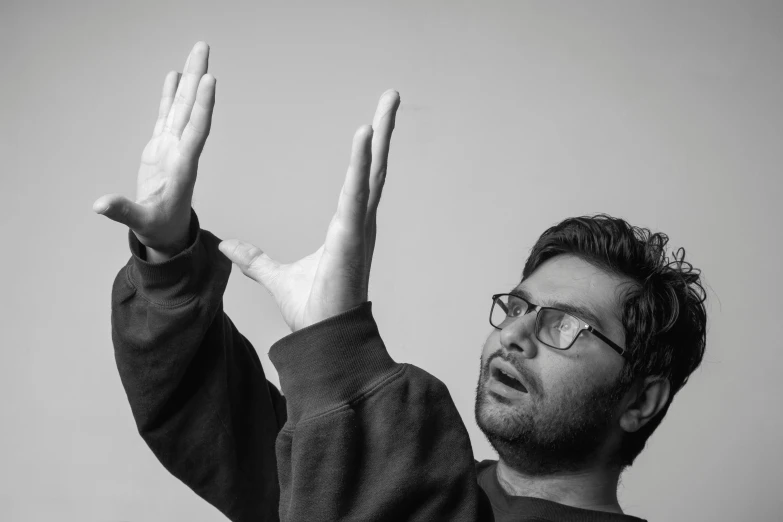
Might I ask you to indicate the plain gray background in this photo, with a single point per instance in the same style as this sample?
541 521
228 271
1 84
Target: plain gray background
514 116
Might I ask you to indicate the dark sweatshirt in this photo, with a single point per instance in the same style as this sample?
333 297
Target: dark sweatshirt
353 436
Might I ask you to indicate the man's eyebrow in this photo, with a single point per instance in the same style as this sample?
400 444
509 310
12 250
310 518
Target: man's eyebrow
582 312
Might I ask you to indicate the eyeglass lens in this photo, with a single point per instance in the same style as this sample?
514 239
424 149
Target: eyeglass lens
553 327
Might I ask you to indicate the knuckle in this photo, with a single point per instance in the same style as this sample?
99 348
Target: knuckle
356 198
380 175
254 254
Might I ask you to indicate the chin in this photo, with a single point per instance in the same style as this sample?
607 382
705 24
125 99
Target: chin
538 444
496 417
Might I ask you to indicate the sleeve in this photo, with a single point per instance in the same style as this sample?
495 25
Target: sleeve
195 385
368 439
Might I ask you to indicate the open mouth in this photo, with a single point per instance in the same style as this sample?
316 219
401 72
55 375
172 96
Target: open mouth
502 372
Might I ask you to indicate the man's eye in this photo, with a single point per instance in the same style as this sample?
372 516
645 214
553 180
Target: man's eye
515 311
566 326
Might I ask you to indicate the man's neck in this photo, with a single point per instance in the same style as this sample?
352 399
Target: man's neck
594 489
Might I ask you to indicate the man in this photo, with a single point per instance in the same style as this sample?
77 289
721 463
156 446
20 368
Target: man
586 355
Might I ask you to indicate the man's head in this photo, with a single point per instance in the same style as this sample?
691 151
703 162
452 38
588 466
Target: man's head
589 405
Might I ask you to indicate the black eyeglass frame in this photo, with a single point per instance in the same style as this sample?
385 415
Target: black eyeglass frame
538 308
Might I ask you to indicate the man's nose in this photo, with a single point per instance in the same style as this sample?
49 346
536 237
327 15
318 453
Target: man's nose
520 335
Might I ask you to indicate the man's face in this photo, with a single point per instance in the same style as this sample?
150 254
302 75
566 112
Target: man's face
562 416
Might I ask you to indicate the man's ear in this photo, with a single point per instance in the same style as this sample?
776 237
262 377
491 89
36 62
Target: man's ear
648 400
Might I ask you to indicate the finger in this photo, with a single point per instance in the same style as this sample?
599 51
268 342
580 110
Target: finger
122 210
370 233
195 134
195 68
352 205
253 262
383 126
166 100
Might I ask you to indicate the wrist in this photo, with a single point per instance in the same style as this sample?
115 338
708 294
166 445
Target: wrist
170 248
157 256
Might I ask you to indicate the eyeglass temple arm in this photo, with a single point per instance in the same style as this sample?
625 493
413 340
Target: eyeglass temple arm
605 339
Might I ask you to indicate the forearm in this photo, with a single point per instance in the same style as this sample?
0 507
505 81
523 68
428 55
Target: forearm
367 438
195 385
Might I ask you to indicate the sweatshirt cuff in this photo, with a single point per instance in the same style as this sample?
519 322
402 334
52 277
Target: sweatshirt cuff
330 363
181 278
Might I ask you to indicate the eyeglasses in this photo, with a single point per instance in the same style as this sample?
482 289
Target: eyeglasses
555 328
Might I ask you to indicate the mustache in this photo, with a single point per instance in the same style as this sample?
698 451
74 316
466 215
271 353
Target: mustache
529 380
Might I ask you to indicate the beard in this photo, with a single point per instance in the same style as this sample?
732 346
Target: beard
540 439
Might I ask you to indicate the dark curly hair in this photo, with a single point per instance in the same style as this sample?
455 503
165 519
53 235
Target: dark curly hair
663 312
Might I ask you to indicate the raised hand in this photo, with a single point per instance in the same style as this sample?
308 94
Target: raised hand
160 216
334 278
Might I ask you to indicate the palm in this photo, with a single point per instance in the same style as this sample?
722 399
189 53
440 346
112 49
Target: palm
162 170
164 188
305 288
295 295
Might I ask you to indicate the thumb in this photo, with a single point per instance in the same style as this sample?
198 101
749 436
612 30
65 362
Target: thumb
253 262
120 209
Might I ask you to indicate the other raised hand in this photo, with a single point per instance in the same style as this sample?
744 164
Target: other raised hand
335 277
